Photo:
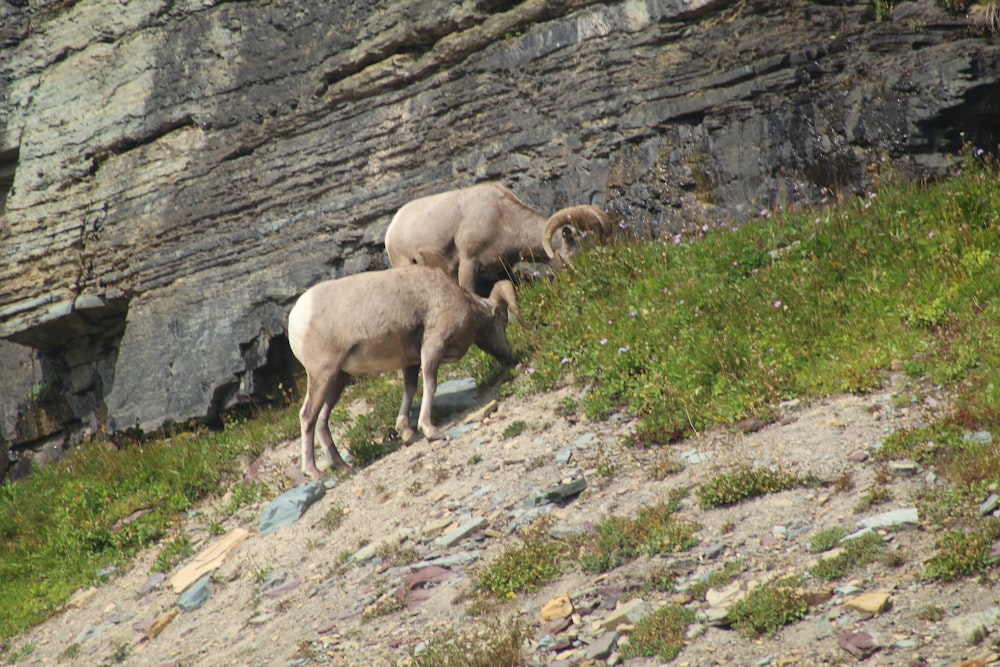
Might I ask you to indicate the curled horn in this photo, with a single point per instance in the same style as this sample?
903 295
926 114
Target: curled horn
502 294
584 217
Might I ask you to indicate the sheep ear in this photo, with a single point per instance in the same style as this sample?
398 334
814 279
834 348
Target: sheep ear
503 296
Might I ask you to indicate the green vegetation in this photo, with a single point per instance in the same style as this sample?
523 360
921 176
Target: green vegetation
768 607
827 539
525 567
618 540
856 552
514 429
103 503
371 434
905 273
962 554
615 540
736 486
497 645
172 553
661 633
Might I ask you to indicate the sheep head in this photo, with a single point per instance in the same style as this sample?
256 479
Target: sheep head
584 218
492 334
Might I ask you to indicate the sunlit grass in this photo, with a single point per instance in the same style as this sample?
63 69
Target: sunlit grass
65 523
725 326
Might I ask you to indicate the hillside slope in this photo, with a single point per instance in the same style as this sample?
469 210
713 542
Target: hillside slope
294 598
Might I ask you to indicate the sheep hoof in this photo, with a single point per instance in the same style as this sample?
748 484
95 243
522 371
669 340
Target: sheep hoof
434 434
312 472
408 436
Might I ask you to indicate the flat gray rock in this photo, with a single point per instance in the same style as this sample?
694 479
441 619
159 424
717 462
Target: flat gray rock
289 507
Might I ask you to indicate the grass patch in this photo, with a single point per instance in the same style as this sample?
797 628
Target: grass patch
496 645
961 554
907 272
514 429
727 574
826 539
745 482
525 567
104 503
660 634
767 608
856 552
617 540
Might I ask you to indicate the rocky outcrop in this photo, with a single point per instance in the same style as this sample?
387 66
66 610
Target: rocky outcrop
173 175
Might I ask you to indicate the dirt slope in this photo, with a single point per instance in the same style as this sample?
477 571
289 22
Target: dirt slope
317 613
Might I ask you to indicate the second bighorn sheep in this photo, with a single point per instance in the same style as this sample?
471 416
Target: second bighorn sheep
408 318
484 228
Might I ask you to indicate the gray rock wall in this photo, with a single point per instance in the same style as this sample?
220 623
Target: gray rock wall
183 170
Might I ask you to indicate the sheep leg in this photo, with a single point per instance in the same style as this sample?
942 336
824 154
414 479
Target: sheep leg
410 376
467 269
429 362
333 459
318 394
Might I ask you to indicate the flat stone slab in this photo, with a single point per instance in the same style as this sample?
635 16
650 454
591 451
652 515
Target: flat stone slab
289 507
460 533
906 517
455 395
209 560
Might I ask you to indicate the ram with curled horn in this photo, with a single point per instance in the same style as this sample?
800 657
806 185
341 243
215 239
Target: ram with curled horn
485 229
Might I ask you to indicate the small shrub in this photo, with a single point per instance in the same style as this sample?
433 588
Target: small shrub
617 540
498 645
767 608
525 567
960 554
877 495
660 634
826 539
514 429
858 551
745 482
333 518
171 554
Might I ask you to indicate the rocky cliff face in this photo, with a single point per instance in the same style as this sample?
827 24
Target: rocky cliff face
174 174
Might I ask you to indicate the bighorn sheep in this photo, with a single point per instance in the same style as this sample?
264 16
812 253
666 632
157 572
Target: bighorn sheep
408 318
484 227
